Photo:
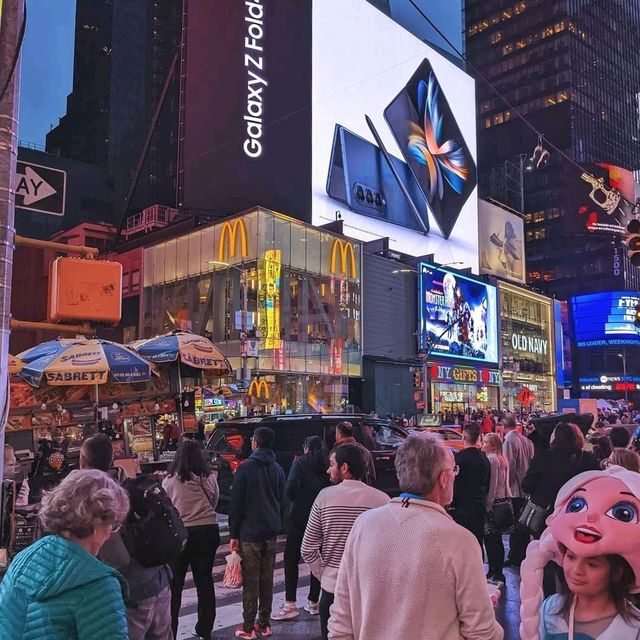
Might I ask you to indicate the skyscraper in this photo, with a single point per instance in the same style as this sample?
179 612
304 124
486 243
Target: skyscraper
568 66
123 51
83 132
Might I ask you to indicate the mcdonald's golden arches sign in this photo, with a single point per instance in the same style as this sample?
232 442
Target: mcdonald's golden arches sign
259 389
348 265
233 231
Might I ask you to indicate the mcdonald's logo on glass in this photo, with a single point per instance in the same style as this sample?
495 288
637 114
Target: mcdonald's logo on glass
348 266
259 389
232 233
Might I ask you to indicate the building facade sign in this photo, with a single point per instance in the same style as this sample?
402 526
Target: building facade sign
530 344
528 347
465 375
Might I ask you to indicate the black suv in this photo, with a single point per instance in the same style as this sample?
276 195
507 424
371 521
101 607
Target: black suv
230 444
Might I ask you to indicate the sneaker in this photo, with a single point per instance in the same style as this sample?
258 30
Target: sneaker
312 607
245 635
262 630
288 612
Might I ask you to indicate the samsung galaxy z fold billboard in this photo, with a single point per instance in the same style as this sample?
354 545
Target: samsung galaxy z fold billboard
329 109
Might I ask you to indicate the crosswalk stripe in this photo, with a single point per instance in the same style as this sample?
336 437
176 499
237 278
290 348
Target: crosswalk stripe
229 615
224 595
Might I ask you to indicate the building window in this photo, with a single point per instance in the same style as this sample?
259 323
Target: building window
135 281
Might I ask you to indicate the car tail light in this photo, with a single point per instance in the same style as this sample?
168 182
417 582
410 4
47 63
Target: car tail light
232 460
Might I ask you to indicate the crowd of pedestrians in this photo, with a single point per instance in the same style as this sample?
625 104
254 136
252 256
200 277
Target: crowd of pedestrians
406 567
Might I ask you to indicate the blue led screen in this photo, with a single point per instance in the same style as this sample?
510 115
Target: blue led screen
606 318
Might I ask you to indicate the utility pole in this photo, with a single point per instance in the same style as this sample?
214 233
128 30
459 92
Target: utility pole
12 18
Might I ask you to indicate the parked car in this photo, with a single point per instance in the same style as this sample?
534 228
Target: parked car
451 437
230 444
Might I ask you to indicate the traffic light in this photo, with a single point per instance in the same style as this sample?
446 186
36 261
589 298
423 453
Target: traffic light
633 242
636 318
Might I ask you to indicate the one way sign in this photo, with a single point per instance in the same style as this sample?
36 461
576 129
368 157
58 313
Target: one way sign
40 188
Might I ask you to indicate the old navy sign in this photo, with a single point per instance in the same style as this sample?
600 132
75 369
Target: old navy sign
529 344
465 375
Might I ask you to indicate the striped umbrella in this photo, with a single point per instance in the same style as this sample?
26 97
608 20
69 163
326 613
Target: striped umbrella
190 348
70 362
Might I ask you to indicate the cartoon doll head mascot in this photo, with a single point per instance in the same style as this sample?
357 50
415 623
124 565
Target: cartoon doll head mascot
596 513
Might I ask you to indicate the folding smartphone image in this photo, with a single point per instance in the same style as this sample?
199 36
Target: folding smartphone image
433 146
360 176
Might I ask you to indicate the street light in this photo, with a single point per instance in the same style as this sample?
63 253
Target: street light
623 356
243 326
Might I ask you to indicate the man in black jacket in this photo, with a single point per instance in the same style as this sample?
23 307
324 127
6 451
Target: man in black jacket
472 483
308 476
256 513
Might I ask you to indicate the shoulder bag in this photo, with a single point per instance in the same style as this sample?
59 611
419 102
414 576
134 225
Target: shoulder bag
534 517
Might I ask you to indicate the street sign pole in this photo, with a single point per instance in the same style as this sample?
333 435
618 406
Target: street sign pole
11 33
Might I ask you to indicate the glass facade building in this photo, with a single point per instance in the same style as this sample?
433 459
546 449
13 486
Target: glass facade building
566 66
300 287
527 348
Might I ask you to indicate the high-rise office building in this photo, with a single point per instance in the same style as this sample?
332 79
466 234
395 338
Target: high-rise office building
83 132
123 51
570 67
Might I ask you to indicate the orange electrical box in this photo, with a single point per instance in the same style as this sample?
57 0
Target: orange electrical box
82 289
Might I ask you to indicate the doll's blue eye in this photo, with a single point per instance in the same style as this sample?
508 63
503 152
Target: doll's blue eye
576 505
624 512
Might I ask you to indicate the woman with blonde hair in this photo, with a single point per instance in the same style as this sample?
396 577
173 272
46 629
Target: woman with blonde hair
57 588
625 458
499 508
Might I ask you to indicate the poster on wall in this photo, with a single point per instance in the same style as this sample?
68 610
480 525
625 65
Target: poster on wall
280 121
458 315
501 242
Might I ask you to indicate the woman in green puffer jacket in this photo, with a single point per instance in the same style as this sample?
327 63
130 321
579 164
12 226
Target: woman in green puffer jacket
57 589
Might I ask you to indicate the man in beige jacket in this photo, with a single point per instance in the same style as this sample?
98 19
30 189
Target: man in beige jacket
408 570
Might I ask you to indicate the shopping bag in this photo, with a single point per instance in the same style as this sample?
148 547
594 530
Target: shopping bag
232 578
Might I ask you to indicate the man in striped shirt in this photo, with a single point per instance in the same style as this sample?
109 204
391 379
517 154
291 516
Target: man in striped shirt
332 516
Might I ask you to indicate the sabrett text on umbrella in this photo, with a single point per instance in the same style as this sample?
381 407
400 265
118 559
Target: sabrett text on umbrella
76 376
196 361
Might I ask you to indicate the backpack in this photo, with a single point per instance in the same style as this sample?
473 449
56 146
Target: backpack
153 532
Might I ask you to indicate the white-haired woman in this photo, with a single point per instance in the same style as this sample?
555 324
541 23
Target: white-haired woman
56 588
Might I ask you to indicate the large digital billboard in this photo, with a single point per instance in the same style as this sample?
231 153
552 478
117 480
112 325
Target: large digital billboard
422 107
501 242
458 315
276 100
605 318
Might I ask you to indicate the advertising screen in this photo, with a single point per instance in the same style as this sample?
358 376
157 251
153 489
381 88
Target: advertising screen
276 100
601 200
458 315
423 109
247 115
605 318
501 242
